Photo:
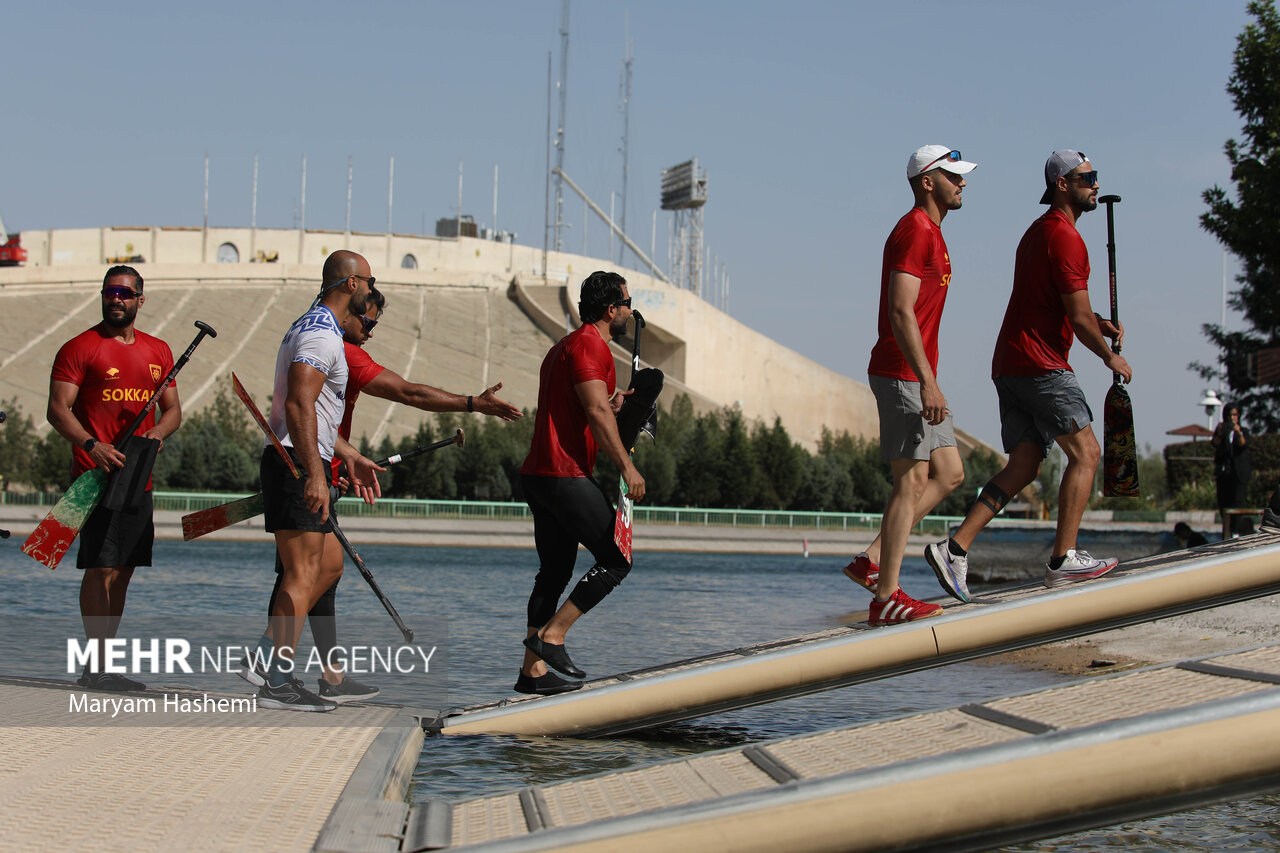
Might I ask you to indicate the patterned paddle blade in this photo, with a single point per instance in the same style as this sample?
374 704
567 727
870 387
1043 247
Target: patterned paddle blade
196 524
52 537
1120 449
622 523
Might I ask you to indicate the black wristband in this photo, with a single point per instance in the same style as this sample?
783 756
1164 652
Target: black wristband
470 404
88 444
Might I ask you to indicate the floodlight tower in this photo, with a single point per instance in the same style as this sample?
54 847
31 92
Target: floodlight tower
684 192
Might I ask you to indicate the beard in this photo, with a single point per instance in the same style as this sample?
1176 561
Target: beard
618 327
359 303
123 320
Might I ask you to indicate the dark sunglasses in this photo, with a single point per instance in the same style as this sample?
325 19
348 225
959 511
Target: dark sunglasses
626 303
368 278
1089 178
124 294
367 324
952 156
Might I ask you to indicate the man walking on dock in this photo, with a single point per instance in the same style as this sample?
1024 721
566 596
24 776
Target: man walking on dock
577 407
1040 400
306 411
916 433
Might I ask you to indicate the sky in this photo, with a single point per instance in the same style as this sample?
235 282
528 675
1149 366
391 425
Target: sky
803 115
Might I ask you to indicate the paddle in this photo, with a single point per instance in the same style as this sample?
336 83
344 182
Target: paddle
1120 448
52 537
636 416
198 523
333 521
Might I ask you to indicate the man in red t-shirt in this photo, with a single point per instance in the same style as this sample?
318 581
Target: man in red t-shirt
101 379
365 374
916 433
577 407
1040 400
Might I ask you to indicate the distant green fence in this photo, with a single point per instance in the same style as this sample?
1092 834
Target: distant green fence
185 502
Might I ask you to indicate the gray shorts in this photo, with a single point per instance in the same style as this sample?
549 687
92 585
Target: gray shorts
1039 409
904 433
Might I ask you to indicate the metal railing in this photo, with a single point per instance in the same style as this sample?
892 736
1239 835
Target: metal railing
185 502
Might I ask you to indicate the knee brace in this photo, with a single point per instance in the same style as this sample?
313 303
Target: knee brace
596 584
993 497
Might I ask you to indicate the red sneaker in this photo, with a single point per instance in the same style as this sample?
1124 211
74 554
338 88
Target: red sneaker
863 572
898 609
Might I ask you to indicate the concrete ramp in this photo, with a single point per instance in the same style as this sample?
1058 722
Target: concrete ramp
976 777
1138 591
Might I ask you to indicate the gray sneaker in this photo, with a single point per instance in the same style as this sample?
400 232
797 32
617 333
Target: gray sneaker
255 675
1078 566
952 571
292 696
347 690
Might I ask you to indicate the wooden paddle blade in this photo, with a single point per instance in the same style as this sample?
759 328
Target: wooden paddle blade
1120 448
197 524
49 542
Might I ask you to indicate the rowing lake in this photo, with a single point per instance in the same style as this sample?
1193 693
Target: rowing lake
469 605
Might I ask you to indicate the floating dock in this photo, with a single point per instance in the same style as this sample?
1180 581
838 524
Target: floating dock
1093 753
171 780
1137 591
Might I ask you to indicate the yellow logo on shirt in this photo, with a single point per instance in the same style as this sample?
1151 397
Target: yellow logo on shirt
126 395
155 372
113 373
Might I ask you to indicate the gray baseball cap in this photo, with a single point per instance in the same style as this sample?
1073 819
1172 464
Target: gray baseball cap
1059 163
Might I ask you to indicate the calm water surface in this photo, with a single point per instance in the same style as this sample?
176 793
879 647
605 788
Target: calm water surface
470 604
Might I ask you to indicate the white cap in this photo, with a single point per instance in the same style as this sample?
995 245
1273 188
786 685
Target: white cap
937 157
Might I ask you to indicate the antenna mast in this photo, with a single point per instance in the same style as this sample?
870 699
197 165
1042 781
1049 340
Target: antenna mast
564 77
626 134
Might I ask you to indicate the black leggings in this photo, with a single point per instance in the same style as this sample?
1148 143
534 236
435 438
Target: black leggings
568 511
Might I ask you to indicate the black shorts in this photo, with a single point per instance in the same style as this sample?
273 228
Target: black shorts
284 506
119 538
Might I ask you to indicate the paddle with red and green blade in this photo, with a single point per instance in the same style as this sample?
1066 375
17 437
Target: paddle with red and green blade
53 536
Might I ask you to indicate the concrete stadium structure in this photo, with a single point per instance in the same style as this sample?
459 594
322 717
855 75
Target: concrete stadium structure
463 313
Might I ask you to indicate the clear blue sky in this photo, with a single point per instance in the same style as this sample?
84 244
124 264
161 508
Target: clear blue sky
802 113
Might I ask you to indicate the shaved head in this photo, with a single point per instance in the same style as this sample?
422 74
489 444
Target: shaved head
343 264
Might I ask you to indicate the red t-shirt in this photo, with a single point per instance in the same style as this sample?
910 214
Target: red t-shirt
1036 336
915 247
361 370
563 445
115 380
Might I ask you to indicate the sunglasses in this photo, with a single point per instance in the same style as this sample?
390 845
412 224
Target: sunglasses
368 278
626 303
950 156
367 324
1088 178
124 294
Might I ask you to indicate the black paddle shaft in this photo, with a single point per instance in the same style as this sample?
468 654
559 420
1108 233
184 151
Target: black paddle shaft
1111 201
635 347
205 329
405 630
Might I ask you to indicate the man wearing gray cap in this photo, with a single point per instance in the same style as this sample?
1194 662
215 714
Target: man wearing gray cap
916 433
1040 400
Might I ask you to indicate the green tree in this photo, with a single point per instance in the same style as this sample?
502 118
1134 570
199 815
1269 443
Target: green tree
1247 226
781 462
216 449
17 444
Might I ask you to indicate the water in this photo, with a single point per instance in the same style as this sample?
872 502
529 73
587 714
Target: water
470 604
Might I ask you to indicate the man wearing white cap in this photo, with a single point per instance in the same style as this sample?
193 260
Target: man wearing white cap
916 433
1040 400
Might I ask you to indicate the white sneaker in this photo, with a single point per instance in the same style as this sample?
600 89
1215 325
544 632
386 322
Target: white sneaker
1078 566
952 571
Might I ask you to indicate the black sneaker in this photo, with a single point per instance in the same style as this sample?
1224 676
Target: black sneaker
346 690
255 675
547 684
292 696
113 682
